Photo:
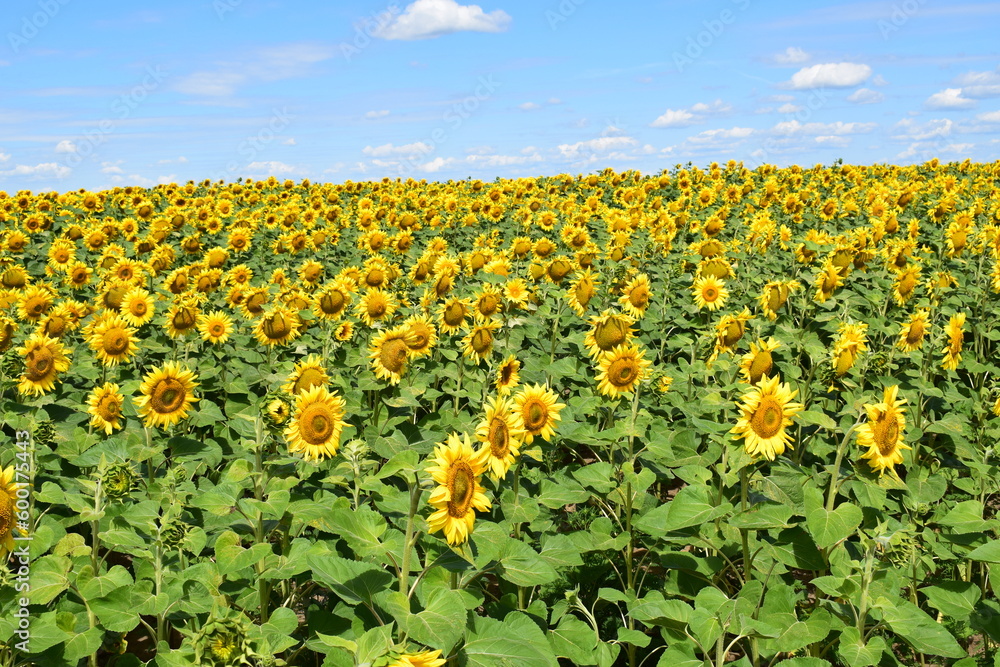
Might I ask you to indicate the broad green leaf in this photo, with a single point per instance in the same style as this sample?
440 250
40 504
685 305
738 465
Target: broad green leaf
855 652
955 599
574 640
829 528
352 580
514 641
913 624
83 644
99 587
692 506
441 623
232 557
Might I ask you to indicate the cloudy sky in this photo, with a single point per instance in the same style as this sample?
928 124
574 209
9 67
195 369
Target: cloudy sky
94 95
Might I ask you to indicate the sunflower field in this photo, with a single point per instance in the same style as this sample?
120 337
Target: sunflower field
704 417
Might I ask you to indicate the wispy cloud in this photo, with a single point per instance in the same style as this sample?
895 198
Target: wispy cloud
830 75
271 64
426 19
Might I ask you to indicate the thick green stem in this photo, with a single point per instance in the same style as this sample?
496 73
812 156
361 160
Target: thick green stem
404 570
835 472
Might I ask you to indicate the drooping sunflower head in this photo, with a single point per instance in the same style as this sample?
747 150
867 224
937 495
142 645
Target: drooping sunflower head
758 363
44 359
501 433
457 470
953 350
508 375
583 289
34 302
882 434
608 331
911 334
421 335
390 354
453 315
636 295
766 412
167 395
277 326
478 343
308 373
182 318
315 427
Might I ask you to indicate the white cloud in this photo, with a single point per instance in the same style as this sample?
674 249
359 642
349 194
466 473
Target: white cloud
43 170
502 160
479 150
794 127
830 75
674 118
4 157
426 19
695 114
958 148
909 130
527 150
709 136
290 141
386 150
599 145
65 146
989 117
437 164
381 113
980 84
112 167
180 160
788 107
780 98
555 100
142 181
865 96
879 80
275 63
793 55
270 168
949 98
528 106
836 142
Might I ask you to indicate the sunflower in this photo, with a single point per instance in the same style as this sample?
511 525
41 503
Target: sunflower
254 302
34 302
376 305
508 375
581 292
7 330
44 359
774 296
316 425
77 275
215 327
390 353
635 299
478 343
105 408
422 659
539 411
729 331
882 434
137 307
457 470
112 339
517 292
827 281
8 498
453 314
620 370
759 362
166 395
489 302
277 326
421 336
710 292
331 301
905 283
953 350
344 331
911 334
306 374
182 318
607 331
277 411
767 411
501 433
850 343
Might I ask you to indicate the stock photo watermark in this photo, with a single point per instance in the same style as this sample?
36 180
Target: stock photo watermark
366 30
86 145
22 538
815 100
900 16
32 25
562 12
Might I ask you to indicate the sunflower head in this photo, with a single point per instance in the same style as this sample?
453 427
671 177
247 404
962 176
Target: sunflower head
882 434
167 394
457 470
118 480
315 427
766 412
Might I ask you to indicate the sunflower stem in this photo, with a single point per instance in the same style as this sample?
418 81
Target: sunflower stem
835 471
408 541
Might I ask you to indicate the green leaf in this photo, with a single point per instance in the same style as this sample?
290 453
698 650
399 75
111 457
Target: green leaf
99 587
232 557
354 581
118 611
829 528
989 552
361 528
817 417
574 640
967 517
912 624
654 609
799 634
956 599
48 578
691 506
46 633
762 516
855 652
514 641
83 644
794 547
441 623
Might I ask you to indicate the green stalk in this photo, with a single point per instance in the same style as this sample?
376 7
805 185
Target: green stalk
835 472
408 541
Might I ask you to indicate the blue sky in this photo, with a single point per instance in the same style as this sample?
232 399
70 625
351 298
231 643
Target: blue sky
96 95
